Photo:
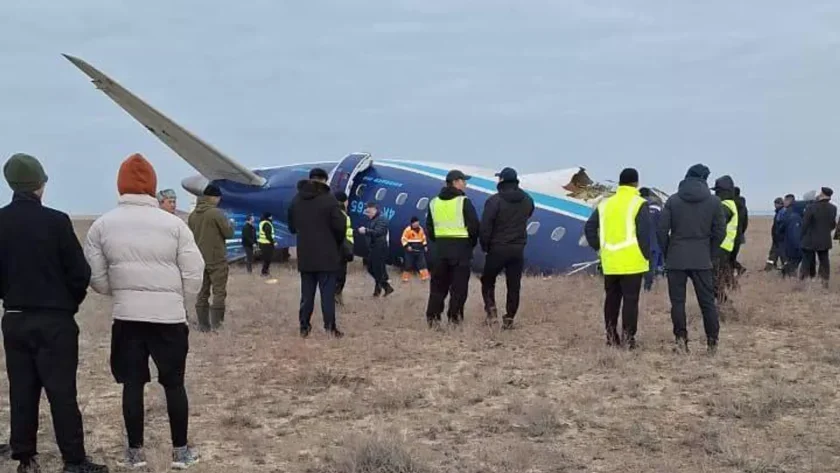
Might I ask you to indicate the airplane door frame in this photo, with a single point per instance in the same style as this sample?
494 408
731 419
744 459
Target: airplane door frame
340 176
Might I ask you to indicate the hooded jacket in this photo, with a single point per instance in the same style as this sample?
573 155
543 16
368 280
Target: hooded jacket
817 224
505 218
691 225
455 248
320 225
146 258
211 229
42 267
725 190
789 230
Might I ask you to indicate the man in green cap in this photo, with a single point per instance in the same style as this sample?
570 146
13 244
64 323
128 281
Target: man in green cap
43 278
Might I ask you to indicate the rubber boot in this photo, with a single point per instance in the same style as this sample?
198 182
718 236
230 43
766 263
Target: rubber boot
203 316
217 316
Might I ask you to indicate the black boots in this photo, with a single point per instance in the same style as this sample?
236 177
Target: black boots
681 345
209 318
377 291
711 345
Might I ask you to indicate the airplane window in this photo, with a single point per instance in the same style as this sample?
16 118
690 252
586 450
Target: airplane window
533 227
582 241
423 203
360 191
380 194
558 233
402 198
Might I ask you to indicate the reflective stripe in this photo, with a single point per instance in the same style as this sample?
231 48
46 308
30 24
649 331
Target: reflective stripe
263 238
448 217
620 252
728 243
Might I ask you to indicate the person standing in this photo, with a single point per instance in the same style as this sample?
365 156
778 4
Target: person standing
774 256
503 237
790 235
320 226
265 239
656 261
619 230
167 200
819 221
723 271
743 222
43 279
691 227
414 246
452 226
376 232
147 262
211 229
347 247
249 239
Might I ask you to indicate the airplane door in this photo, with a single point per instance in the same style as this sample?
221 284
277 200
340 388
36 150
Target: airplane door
342 176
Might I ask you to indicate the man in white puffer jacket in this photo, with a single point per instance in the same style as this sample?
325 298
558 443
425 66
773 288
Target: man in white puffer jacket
147 260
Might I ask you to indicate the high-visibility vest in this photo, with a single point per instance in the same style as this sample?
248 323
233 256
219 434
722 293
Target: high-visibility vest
262 238
620 252
731 226
411 235
448 217
349 231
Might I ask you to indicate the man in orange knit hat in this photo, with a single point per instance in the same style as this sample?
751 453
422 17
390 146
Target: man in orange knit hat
148 262
211 229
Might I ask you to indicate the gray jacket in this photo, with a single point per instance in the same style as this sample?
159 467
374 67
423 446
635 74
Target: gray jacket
691 226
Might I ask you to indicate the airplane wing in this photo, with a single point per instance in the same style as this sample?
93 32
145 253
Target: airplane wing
206 159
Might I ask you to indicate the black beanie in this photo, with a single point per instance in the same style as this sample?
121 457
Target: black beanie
628 176
698 171
212 190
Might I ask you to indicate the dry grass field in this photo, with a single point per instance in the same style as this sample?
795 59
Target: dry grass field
394 397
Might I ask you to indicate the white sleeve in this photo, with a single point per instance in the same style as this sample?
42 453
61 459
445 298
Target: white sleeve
97 260
190 261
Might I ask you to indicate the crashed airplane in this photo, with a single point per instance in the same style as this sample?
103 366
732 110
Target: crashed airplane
564 198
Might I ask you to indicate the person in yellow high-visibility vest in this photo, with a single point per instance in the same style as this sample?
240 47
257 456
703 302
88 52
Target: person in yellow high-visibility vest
265 239
722 264
619 229
452 226
347 255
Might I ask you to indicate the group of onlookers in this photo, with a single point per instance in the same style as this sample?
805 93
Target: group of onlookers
801 235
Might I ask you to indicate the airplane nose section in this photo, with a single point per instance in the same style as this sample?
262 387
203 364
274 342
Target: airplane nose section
195 184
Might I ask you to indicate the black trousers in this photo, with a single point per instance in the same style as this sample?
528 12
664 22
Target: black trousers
449 276
249 258
622 289
341 277
132 344
734 255
42 351
724 276
704 289
266 254
511 261
376 267
325 283
809 264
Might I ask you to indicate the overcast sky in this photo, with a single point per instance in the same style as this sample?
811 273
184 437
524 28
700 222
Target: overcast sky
747 87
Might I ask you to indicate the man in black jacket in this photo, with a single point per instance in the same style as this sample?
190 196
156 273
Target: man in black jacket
376 232
314 216
775 255
743 223
503 238
723 271
249 239
691 227
452 226
43 279
819 220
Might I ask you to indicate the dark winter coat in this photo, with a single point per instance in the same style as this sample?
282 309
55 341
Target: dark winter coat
505 218
691 226
725 190
819 221
376 233
42 265
320 226
454 248
249 235
774 230
655 212
743 217
592 228
789 230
